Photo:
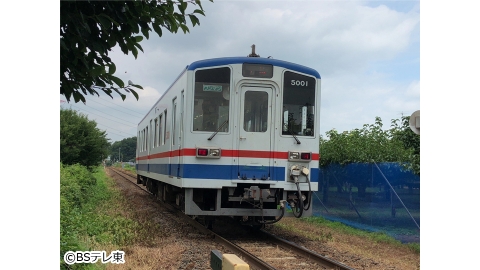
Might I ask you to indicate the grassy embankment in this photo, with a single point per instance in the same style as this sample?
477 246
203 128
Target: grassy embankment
340 228
93 216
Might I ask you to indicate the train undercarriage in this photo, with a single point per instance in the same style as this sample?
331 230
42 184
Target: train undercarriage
250 204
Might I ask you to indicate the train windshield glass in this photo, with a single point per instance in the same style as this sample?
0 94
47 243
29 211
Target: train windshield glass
298 104
212 99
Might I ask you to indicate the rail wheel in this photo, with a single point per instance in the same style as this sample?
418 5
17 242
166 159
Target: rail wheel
139 179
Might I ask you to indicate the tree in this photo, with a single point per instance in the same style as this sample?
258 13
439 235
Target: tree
364 145
367 145
90 29
410 140
126 148
80 140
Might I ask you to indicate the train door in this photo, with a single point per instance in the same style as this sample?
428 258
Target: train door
255 128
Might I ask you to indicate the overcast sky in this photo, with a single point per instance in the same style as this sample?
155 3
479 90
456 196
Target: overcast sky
367 53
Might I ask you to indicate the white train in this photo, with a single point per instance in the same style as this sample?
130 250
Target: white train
235 136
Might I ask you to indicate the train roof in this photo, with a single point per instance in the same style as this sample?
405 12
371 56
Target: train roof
252 60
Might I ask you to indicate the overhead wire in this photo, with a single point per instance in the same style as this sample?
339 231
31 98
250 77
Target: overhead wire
132 124
126 135
116 105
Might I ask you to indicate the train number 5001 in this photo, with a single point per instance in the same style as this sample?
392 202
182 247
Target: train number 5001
299 83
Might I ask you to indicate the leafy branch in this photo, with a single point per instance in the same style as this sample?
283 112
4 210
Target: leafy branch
90 29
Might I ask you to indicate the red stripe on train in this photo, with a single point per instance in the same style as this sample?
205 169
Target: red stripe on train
226 153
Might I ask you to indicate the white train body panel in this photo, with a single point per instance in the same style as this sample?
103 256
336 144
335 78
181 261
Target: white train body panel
223 125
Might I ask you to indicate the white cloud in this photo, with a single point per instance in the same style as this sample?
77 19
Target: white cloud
357 48
413 89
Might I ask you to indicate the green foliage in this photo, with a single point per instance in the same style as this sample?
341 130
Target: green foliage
90 29
88 213
80 140
76 191
371 143
76 183
410 140
127 147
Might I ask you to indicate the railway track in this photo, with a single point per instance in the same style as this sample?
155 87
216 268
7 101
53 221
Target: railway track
260 249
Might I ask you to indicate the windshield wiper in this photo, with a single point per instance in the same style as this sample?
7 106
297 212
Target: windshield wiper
216 131
295 137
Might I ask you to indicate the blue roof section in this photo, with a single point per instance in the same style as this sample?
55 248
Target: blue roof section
253 60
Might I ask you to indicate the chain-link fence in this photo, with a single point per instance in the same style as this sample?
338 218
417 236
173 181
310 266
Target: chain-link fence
375 196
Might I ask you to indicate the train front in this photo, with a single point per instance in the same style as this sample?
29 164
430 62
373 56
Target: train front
254 136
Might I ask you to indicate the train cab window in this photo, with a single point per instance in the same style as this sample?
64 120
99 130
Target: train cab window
255 111
298 104
212 99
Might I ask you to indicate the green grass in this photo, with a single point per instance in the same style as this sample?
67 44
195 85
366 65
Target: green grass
126 167
379 237
130 168
322 237
89 214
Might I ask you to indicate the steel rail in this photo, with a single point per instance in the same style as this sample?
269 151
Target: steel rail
301 251
251 259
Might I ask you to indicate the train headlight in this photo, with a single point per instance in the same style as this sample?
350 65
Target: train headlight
299 156
208 152
293 155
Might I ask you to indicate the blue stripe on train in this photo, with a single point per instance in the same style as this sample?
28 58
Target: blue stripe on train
203 171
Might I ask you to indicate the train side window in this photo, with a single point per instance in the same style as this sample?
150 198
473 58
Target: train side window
143 140
212 99
146 138
165 127
151 143
139 141
174 119
155 133
160 130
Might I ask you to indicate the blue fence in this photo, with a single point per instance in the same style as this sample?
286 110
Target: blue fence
372 196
